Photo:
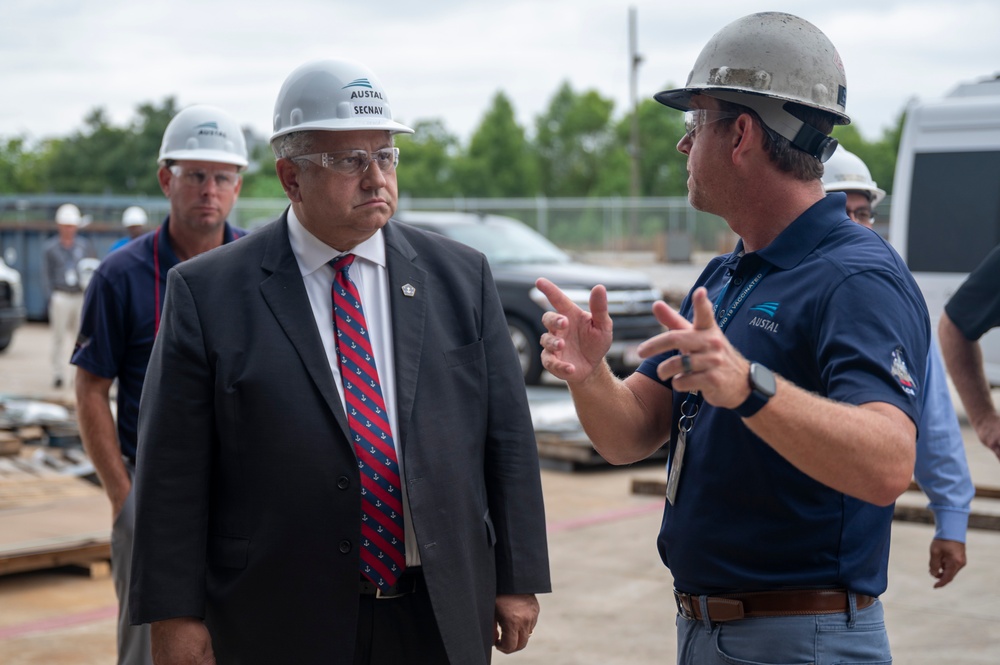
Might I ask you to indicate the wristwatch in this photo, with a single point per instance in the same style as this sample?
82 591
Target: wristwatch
762 387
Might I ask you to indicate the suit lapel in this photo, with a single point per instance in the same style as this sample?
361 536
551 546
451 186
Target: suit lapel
408 307
285 295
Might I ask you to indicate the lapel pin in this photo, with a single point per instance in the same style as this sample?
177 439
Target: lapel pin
408 290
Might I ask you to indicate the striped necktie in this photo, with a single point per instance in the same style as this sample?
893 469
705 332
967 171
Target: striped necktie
382 553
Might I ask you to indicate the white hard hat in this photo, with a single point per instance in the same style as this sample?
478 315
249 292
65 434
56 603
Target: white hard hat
764 61
845 172
68 214
205 134
134 216
333 95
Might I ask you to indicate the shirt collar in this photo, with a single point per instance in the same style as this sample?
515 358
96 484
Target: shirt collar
803 235
312 253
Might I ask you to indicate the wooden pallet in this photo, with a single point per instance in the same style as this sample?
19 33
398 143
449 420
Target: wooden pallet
49 519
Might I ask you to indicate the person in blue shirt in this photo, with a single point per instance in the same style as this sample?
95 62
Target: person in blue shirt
201 158
785 383
134 220
941 470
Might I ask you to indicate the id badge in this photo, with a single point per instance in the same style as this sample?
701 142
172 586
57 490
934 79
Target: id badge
676 464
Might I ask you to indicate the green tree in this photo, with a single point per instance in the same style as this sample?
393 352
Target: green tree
427 161
499 161
103 158
19 167
573 138
261 180
662 170
879 155
144 148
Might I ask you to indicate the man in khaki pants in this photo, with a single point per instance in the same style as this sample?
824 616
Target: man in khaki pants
62 255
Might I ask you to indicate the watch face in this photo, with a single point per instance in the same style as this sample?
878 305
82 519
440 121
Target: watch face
762 379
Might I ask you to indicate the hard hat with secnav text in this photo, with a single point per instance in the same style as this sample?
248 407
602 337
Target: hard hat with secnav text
333 95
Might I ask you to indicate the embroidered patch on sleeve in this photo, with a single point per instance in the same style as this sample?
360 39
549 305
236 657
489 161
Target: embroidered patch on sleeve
902 373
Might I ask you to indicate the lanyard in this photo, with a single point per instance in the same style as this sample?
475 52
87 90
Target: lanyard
692 403
690 406
728 315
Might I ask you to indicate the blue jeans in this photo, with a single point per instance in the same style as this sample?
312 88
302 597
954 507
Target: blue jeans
858 638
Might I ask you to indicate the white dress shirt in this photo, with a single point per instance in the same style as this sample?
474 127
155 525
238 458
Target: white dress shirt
370 275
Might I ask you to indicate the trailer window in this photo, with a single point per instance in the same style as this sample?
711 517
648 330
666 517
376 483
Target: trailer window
954 210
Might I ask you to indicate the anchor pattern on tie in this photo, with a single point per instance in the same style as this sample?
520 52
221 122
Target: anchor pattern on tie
382 553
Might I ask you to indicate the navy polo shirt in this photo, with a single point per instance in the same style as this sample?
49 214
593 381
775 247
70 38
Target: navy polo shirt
838 314
118 323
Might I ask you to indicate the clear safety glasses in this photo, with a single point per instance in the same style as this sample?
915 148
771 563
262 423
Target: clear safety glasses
355 162
224 180
695 119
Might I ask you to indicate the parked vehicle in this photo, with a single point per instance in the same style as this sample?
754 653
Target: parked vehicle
945 214
12 312
518 255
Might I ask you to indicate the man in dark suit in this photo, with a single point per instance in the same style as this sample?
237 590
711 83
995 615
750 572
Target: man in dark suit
287 514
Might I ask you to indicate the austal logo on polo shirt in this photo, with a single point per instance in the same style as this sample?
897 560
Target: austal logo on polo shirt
767 322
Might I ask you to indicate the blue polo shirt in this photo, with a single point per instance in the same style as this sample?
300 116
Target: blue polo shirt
838 314
118 323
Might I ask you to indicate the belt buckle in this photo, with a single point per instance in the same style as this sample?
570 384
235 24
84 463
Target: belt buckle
683 611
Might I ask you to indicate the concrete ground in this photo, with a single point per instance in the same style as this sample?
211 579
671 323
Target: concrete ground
612 598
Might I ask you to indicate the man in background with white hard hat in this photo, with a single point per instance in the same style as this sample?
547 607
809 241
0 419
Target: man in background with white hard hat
134 220
354 478
783 384
941 470
201 158
61 256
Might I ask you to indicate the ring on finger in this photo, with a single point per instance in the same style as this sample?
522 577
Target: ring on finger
686 363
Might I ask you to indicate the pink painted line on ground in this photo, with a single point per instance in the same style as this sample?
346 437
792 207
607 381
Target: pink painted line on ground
58 623
600 518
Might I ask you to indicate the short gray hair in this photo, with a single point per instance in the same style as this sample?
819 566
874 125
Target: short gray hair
293 144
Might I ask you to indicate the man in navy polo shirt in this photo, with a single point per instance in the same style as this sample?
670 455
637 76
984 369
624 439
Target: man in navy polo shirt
202 155
788 384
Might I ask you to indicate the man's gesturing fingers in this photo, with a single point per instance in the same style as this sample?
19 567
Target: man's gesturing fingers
704 312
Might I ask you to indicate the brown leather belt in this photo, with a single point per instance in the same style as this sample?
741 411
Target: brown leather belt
406 584
734 606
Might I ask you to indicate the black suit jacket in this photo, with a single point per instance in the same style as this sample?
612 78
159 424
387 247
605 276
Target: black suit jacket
247 486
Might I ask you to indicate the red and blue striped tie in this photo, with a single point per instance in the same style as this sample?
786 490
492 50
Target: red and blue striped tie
383 551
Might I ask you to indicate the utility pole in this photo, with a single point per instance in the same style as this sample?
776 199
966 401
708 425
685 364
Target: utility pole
634 60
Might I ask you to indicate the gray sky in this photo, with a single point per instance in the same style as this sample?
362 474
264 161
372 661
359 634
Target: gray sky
443 58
